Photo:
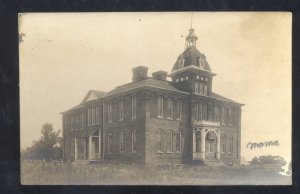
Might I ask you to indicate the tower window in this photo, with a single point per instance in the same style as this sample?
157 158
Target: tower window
181 62
201 62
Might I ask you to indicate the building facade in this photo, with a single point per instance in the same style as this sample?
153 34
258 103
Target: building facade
155 121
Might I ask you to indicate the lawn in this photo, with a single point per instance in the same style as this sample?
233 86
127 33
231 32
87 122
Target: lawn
33 173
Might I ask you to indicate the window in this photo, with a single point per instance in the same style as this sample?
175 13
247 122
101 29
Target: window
133 107
72 122
227 116
223 143
121 110
170 108
160 104
169 141
97 119
205 90
109 112
223 116
230 116
159 140
217 113
231 145
200 88
210 113
133 141
199 111
121 141
196 87
109 143
179 109
178 142
201 62
204 112
181 62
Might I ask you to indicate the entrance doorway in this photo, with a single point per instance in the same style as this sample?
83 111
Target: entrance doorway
211 145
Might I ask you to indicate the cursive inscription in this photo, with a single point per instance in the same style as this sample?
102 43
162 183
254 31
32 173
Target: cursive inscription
252 145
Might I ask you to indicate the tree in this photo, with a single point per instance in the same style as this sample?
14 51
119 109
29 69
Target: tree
47 147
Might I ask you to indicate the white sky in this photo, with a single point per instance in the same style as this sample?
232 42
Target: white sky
65 55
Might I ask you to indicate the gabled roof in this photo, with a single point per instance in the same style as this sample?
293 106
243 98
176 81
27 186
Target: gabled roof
92 95
148 82
222 98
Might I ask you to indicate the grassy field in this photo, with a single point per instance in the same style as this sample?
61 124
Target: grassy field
33 173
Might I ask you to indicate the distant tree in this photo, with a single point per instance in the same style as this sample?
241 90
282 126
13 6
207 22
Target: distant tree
47 147
269 159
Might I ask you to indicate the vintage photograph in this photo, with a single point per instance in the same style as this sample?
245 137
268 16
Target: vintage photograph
161 98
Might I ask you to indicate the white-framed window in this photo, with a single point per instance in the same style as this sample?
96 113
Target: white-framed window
169 141
133 107
179 109
121 110
133 141
181 62
109 143
178 142
170 108
159 137
160 105
121 141
109 112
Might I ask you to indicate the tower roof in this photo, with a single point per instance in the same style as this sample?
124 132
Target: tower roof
191 56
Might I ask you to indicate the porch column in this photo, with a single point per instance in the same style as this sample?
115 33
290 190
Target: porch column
90 147
99 144
194 140
84 148
218 145
202 152
76 157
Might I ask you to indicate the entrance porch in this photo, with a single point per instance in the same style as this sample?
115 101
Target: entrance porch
206 140
88 145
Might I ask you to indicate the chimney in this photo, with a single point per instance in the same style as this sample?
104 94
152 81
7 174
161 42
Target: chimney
139 73
161 75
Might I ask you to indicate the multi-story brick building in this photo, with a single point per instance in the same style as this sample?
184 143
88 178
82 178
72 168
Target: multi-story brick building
155 121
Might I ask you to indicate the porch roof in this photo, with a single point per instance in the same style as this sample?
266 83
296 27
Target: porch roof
85 132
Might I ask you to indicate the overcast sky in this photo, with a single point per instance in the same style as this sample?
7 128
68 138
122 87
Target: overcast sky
62 56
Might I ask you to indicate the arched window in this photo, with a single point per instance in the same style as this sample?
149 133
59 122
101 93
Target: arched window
181 62
201 62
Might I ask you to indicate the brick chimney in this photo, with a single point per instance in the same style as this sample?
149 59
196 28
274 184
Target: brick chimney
139 73
161 75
